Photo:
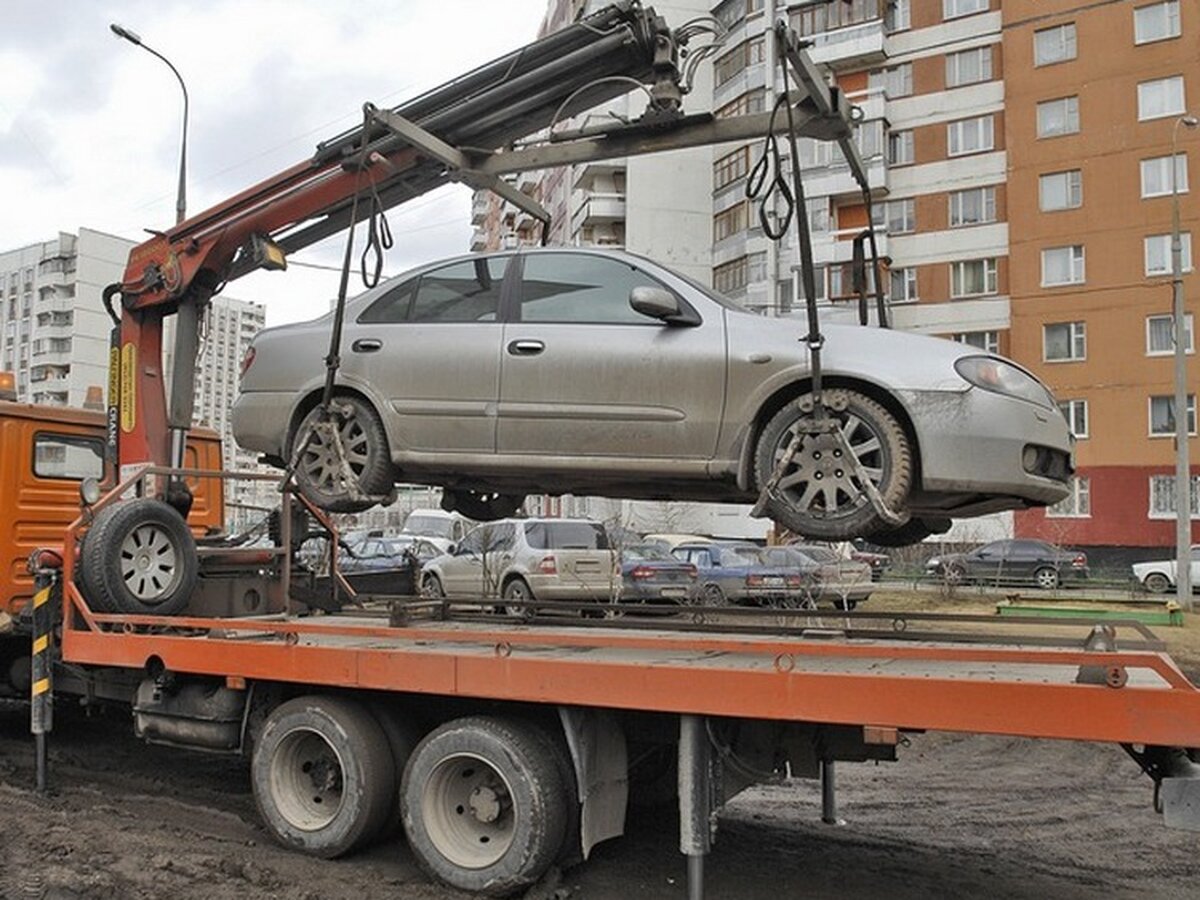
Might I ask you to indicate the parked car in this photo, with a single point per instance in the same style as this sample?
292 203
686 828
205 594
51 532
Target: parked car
737 573
1159 576
521 560
592 371
1012 562
651 574
879 562
374 554
828 578
443 529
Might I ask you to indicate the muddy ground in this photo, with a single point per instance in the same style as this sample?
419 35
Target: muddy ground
956 817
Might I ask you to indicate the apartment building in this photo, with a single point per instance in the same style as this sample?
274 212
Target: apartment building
56 331
1095 95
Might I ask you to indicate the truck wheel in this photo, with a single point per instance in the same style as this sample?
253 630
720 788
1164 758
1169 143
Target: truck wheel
1157 583
323 776
819 495
403 733
138 557
365 444
484 804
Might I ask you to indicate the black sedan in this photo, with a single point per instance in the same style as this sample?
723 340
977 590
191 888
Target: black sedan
1011 562
651 574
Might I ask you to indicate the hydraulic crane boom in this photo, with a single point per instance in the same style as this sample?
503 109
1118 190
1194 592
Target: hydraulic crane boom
397 155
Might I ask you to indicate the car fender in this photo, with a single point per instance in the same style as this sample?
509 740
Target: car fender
308 395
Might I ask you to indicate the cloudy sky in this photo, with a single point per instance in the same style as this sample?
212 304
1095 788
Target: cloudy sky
90 124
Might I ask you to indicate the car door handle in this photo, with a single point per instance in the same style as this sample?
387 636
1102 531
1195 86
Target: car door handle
526 348
366 345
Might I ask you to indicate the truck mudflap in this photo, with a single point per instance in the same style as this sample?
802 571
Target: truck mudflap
1176 778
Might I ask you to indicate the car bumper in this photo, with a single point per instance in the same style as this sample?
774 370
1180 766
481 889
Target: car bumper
640 592
972 444
553 587
260 420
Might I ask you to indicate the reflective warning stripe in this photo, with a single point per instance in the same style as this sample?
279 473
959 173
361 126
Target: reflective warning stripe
41 686
42 597
41 643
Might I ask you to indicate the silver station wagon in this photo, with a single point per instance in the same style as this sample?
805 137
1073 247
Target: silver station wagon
598 372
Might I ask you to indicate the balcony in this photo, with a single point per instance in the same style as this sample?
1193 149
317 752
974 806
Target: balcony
836 180
844 35
835 247
481 205
479 241
597 209
584 175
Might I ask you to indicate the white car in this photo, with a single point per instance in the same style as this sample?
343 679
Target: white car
1158 577
442 529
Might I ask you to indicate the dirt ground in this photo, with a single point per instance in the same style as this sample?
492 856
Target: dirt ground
956 817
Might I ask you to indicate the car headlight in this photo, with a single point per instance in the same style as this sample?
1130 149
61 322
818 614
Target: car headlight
1002 377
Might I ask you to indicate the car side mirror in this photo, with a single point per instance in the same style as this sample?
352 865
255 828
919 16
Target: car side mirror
659 303
453 548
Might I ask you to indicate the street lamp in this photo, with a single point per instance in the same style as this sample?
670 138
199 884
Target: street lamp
1183 513
181 196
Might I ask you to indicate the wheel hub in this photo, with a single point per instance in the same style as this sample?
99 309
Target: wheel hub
485 804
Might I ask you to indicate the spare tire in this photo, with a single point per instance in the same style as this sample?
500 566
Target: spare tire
138 557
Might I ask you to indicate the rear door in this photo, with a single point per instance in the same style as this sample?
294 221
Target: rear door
431 347
584 375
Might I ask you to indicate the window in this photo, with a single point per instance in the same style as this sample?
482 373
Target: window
1162 497
969 136
1076 414
1156 175
1057 117
1062 265
730 277
1161 97
973 277
818 214
952 9
731 168
1162 415
898 15
869 137
898 216
900 148
1156 22
896 81
1160 335
730 221
968 66
461 292
972 207
1060 190
1158 254
67 456
742 56
903 285
988 341
817 18
1077 504
746 105
579 287
1054 45
1064 341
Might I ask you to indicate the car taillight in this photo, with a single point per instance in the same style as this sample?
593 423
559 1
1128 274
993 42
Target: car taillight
754 579
548 565
794 581
692 572
1079 561
247 360
642 572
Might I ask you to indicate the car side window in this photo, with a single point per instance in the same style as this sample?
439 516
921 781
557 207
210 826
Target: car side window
467 291
472 544
581 288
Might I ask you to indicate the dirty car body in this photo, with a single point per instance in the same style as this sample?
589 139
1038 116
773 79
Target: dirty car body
603 373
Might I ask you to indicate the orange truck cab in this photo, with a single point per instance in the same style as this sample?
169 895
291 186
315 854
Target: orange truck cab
45 452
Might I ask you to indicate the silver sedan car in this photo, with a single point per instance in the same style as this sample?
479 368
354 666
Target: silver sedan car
598 372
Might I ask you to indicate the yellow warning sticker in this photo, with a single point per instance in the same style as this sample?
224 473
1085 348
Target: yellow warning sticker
128 382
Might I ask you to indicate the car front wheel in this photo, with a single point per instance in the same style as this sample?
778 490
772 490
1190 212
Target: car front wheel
820 493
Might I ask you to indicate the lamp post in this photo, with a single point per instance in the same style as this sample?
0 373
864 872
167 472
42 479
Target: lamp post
1183 513
181 196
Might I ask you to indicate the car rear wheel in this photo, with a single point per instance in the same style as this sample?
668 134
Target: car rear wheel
518 597
319 472
1157 583
712 595
820 494
1046 578
431 588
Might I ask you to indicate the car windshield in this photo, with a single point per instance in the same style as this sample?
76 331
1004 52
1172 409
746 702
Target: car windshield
566 536
647 551
433 526
819 554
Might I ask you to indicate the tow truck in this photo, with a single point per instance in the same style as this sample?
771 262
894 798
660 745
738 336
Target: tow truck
506 746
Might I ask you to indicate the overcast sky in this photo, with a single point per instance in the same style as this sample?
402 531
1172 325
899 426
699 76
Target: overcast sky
90 124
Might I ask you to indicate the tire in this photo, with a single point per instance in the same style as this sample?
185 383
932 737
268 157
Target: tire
911 532
431 588
482 506
1157 583
323 775
1046 578
712 595
818 496
138 557
366 447
484 804
403 733
954 575
518 590
845 605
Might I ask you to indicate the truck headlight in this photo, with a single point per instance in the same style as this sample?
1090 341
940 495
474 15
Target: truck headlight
998 376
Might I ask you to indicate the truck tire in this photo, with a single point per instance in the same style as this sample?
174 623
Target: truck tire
138 557
403 733
819 496
323 775
484 804
365 443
